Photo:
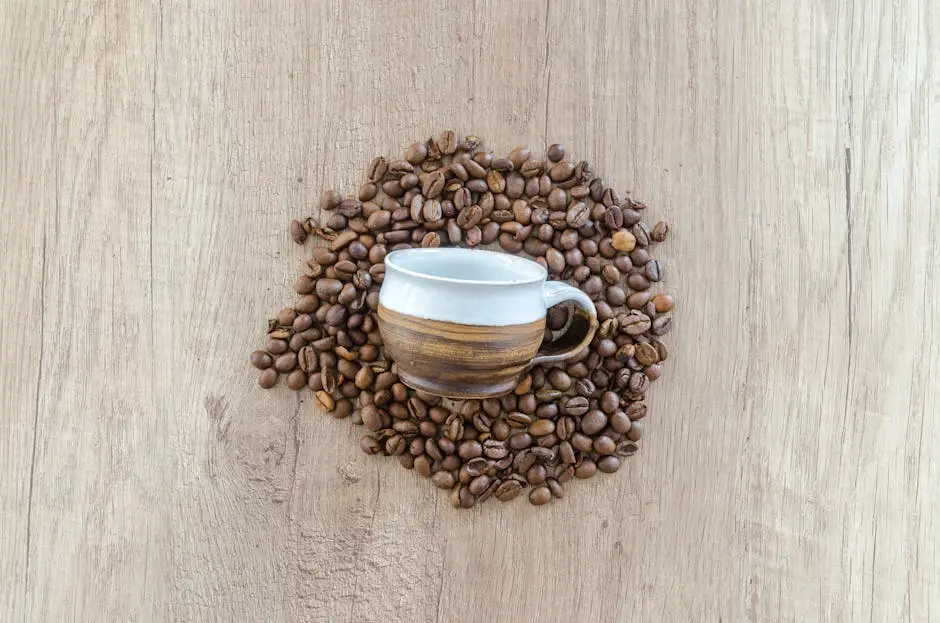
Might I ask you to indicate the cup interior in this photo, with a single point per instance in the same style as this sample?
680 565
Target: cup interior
466 266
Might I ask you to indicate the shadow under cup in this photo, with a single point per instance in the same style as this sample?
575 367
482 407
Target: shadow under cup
467 323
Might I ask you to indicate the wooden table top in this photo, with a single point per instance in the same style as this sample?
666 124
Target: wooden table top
153 154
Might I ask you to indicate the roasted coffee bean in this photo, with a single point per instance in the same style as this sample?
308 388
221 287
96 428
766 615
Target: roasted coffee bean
663 302
261 360
623 241
540 495
268 378
608 464
470 450
635 324
536 474
582 442
578 215
586 469
636 430
559 379
330 200
325 400
583 386
508 490
286 362
566 453
370 445
416 153
540 428
606 348
646 354
558 417
593 422
495 448
555 152
659 232
620 422
443 480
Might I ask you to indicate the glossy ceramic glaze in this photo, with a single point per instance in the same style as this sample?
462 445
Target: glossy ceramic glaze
467 323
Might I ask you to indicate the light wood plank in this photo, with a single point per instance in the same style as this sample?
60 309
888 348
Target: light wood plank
160 152
889 477
27 196
97 511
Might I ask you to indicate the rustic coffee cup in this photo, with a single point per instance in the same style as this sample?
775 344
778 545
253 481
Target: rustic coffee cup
465 323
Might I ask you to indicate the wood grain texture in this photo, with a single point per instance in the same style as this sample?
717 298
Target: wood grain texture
152 155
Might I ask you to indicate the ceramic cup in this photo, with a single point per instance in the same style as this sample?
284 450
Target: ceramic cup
465 323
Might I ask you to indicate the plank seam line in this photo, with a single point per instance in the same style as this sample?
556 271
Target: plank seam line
32 461
548 75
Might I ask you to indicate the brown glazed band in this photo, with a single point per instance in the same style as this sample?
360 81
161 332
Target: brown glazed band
459 360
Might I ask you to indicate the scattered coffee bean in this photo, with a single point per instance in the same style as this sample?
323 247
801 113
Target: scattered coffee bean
561 422
540 495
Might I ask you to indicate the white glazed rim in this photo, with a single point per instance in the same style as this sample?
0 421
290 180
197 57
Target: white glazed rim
521 261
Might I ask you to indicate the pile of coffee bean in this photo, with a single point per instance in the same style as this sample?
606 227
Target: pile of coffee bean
565 421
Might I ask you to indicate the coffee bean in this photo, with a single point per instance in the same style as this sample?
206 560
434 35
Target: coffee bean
577 215
661 325
663 302
586 469
636 430
370 445
540 495
620 422
469 217
416 153
557 200
508 490
286 362
593 422
555 152
638 281
536 474
576 406
433 185
608 464
470 449
330 200
268 378
555 260
509 243
639 383
297 380
325 400
297 232
261 360
582 442
593 286
623 241
540 428
616 296
443 480
559 213
566 453
659 232
519 441
646 354
479 484
635 324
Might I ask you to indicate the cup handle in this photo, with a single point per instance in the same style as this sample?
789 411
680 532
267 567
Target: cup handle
581 329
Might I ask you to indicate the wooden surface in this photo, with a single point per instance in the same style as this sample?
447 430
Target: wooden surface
152 155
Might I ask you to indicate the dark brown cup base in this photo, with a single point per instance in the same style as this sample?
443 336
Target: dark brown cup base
462 391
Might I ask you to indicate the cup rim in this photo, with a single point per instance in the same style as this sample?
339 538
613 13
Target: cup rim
390 263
